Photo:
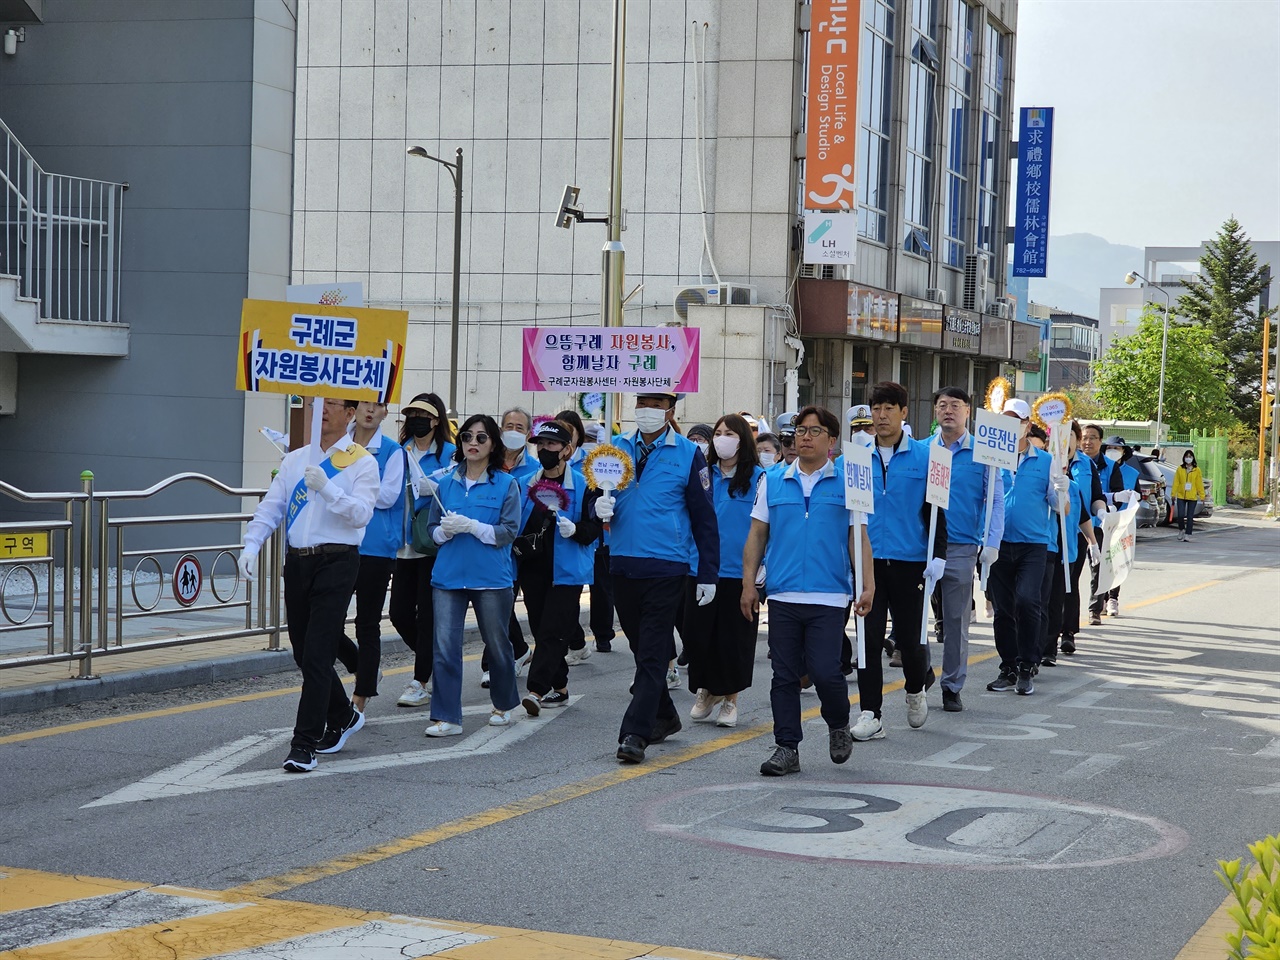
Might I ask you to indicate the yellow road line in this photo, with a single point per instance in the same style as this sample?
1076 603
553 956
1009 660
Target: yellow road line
1171 596
24 889
269 886
1210 942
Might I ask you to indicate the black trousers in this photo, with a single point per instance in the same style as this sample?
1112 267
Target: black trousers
1014 587
413 612
602 599
317 590
647 610
1071 602
1053 594
553 612
719 641
371 594
804 639
899 593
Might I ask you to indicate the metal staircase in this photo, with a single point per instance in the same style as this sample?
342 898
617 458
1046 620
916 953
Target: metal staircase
59 260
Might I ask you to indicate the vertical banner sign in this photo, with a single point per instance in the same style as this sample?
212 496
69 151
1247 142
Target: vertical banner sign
858 493
938 484
1031 224
830 237
831 122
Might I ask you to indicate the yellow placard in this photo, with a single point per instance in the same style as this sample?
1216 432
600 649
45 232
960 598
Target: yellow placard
24 544
316 350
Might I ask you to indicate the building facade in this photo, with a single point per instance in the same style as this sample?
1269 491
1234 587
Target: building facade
713 159
1072 350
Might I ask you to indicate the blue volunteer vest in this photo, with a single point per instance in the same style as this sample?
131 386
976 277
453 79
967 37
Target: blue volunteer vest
385 533
572 563
808 542
1026 505
464 563
651 518
1078 509
967 513
733 516
896 529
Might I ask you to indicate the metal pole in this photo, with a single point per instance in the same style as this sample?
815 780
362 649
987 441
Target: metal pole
613 256
1262 410
86 576
457 277
1164 352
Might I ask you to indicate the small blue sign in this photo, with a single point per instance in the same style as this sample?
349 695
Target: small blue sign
1031 223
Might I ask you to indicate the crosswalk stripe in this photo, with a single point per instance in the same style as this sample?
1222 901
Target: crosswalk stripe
403 938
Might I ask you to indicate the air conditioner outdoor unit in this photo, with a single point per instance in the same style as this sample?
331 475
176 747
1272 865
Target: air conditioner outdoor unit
1002 309
937 295
712 295
975 281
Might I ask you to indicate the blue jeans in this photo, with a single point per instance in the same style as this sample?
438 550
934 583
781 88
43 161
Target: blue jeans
493 610
1186 514
805 638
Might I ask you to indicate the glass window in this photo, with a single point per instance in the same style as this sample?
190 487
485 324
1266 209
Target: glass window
921 74
956 131
873 113
990 230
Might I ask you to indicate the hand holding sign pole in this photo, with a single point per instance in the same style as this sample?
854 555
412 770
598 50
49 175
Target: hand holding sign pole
995 443
607 468
859 497
938 495
1052 412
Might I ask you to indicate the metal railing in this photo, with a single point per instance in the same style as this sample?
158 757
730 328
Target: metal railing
61 237
96 613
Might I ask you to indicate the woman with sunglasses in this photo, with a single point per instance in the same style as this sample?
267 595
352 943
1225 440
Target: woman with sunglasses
425 437
475 516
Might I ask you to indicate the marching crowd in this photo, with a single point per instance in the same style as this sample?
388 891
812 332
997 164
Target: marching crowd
716 520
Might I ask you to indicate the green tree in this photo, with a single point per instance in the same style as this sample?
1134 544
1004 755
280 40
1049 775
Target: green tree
1127 379
1224 300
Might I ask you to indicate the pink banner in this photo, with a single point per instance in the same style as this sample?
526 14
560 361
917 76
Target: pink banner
612 360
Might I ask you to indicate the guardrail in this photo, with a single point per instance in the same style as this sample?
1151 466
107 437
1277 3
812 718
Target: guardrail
92 533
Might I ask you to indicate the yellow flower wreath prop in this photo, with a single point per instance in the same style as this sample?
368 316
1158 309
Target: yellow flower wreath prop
1054 398
608 468
998 391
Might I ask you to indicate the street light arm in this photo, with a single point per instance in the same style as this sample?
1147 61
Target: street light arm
451 167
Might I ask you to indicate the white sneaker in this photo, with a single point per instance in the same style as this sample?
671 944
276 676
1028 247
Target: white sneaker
577 656
973 615
500 718
702 705
673 678
1113 608
868 727
415 695
442 728
728 716
521 663
917 710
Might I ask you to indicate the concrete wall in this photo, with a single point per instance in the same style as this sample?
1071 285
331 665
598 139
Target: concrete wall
191 103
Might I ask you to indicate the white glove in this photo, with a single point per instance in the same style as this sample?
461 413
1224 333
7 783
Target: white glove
566 526
425 487
705 593
1060 482
1095 554
935 568
604 508
990 555
455 523
1111 508
249 563
315 478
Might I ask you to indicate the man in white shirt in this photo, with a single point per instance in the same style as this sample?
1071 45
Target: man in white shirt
325 509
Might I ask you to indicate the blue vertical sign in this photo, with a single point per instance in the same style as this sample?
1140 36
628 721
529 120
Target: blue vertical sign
1031 223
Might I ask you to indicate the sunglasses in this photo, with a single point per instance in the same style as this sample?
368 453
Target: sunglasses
470 437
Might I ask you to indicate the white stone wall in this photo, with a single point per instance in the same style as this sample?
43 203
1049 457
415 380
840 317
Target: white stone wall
523 86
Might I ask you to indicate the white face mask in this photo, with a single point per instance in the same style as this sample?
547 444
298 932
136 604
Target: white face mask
514 439
1187 461
650 419
1113 454
726 447
767 458
702 445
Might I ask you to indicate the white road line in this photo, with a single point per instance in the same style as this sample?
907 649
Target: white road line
1091 766
393 939
948 757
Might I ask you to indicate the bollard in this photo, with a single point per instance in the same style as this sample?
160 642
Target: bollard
86 577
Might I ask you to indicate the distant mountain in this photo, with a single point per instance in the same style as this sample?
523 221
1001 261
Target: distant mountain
1080 264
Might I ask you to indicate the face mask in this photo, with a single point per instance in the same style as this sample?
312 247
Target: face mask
767 458
650 419
513 439
1113 454
702 445
550 459
726 447
1187 461
419 427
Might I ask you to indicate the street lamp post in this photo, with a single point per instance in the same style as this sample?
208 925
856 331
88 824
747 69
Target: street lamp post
455 171
1130 277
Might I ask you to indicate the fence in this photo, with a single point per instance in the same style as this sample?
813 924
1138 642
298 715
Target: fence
86 615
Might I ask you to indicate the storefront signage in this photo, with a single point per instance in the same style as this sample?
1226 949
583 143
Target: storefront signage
920 322
873 314
1031 224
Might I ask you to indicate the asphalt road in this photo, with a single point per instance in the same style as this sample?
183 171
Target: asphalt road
1083 822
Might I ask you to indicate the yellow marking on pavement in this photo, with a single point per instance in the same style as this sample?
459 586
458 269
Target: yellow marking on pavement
24 889
269 886
1210 942
1171 596
173 711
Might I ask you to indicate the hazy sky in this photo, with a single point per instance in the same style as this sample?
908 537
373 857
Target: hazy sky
1167 115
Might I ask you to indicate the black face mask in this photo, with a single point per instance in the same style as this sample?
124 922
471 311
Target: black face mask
419 426
550 459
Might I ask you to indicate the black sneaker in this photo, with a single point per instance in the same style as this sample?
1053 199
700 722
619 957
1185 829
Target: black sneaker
604 646
532 704
335 738
1068 645
784 761
1024 687
1049 661
683 659
1095 619
930 679
555 699
631 749
300 761
1006 681
665 728
841 745
951 701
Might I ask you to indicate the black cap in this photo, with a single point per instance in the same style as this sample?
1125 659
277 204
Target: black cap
552 430
700 430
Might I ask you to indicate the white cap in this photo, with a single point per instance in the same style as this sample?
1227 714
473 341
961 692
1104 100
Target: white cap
1019 407
857 413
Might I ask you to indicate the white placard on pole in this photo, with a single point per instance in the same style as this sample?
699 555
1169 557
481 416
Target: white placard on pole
995 440
858 492
330 294
938 485
860 628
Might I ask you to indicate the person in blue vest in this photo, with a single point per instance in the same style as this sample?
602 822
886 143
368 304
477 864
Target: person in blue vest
555 559
799 516
1085 473
905 569
577 639
656 522
475 516
1119 481
426 437
720 642
1060 561
324 508
383 537
600 614
1032 494
969 541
